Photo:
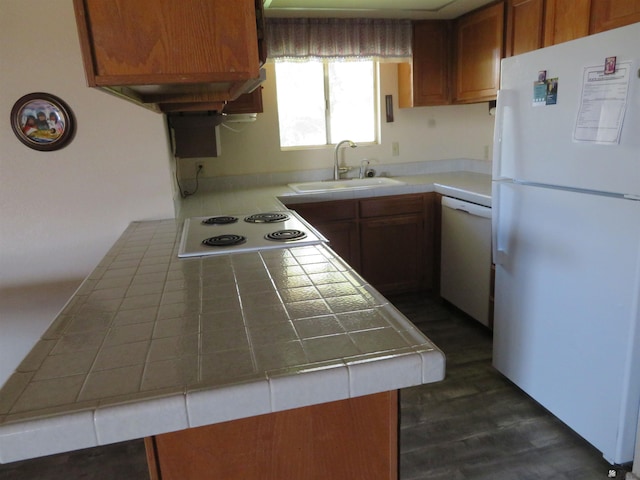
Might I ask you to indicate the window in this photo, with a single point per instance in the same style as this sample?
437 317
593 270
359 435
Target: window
321 103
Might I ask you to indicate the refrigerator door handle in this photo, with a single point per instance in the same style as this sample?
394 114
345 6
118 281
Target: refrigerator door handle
498 253
505 99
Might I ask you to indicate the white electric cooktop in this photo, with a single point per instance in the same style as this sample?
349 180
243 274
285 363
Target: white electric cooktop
221 234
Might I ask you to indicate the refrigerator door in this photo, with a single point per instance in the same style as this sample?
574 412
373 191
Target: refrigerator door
535 143
566 308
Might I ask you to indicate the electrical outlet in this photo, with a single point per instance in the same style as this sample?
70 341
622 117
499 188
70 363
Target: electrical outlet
395 149
199 168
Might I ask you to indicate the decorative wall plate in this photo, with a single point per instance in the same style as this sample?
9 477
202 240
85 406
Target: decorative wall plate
42 121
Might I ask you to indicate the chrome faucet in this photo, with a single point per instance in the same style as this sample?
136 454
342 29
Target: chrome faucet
336 168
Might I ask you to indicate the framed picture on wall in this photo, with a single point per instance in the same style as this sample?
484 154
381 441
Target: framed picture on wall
42 121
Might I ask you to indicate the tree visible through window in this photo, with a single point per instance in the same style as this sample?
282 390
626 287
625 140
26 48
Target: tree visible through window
321 103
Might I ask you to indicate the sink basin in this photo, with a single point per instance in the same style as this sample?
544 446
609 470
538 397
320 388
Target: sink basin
347 184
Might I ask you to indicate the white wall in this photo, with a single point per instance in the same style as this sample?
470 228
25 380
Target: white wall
424 134
61 211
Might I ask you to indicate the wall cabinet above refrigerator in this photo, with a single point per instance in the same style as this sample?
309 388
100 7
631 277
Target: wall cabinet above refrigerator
172 55
608 14
534 24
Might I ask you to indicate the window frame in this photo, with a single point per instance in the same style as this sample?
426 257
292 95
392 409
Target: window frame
327 110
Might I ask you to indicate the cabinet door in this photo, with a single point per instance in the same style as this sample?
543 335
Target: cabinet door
355 438
479 40
608 14
426 81
343 239
171 54
566 21
336 220
392 253
525 20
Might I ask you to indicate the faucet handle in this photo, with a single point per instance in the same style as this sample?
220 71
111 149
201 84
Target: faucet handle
363 167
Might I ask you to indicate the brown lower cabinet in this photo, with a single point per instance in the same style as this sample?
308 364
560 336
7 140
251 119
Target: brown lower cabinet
353 439
338 221
388 240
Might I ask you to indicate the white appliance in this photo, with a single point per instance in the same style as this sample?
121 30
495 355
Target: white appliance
566 234
465 257
222 234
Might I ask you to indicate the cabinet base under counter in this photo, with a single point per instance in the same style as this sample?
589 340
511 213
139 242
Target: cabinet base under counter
354 439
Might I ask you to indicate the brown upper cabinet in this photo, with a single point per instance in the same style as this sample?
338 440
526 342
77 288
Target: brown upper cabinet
479 40
608 14
525 22
459 61
454 62
533 24
564 21
426 81
172 55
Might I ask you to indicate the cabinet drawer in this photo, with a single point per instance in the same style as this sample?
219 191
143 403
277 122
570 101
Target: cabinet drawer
393 205
326 211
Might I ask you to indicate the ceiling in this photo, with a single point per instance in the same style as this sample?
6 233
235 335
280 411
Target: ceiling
414 9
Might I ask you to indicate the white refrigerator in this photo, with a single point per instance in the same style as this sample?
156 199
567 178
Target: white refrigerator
566 233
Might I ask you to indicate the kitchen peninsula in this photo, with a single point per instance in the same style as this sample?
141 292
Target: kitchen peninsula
279 341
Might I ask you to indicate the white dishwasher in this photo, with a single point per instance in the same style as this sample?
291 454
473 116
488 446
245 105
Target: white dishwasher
465 261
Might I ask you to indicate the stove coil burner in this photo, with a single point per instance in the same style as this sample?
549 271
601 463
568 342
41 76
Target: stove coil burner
267 218
220 220
224 240
285 235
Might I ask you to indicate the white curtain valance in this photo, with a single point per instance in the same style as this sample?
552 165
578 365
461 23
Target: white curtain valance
301 39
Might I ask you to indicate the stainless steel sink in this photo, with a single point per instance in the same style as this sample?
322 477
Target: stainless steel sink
347 184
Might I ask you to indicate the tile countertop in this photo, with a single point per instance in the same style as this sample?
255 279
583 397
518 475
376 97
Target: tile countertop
469 186
151 343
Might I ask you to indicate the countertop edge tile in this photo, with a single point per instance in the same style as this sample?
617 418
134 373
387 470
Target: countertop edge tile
206 407
47 436
309 387
140 419
433 365
372 375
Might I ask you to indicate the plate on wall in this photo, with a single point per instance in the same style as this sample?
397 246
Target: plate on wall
42 121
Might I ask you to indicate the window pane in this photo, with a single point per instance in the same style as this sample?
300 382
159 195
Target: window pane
301 104
352 101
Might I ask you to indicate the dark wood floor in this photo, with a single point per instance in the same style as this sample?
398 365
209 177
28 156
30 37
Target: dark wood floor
475 425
